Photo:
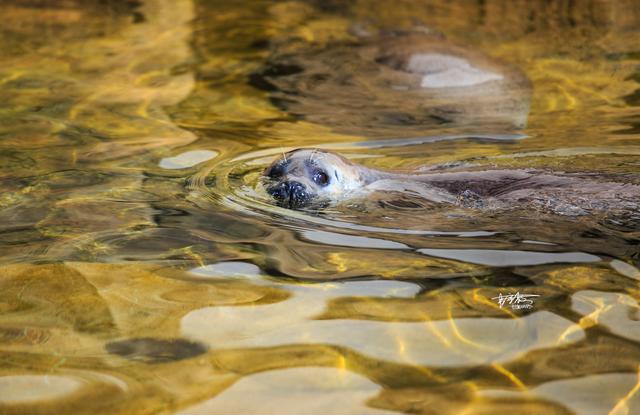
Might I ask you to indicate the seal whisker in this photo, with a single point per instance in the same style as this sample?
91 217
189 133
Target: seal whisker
313 152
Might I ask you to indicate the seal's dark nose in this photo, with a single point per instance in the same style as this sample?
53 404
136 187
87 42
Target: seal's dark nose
290 194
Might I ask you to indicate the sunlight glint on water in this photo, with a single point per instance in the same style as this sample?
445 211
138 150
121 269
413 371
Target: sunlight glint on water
146 270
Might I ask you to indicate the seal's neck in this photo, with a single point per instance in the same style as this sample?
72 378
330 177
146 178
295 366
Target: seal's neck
368 176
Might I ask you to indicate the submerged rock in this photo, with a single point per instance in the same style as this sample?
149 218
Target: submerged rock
397 84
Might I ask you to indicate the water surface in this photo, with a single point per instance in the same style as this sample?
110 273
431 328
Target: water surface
144 270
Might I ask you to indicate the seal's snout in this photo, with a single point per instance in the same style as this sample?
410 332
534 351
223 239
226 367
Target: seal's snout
291 194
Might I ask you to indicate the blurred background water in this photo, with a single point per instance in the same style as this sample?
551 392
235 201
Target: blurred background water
144 271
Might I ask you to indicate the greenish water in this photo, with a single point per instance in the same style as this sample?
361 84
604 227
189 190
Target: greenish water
144 269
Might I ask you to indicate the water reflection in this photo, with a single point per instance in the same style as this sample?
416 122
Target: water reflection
616 312
498 258
294 391
144 270
186 160
586 396
451 342
29 388
228 270
417 79
332 238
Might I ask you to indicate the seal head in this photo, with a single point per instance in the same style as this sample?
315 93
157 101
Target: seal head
305 176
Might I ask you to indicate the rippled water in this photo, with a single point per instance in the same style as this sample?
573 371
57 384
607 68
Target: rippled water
145 270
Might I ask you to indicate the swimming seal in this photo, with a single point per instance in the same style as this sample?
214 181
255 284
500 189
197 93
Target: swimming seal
303 177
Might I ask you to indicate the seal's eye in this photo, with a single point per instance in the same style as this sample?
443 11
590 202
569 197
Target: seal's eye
321 178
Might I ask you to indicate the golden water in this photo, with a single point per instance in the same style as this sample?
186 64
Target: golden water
143 271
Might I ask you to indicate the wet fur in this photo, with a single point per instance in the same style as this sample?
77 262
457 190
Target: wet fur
556 192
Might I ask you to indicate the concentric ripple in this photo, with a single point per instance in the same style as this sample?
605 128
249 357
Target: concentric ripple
236 183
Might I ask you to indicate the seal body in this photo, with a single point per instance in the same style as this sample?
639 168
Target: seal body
305 176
